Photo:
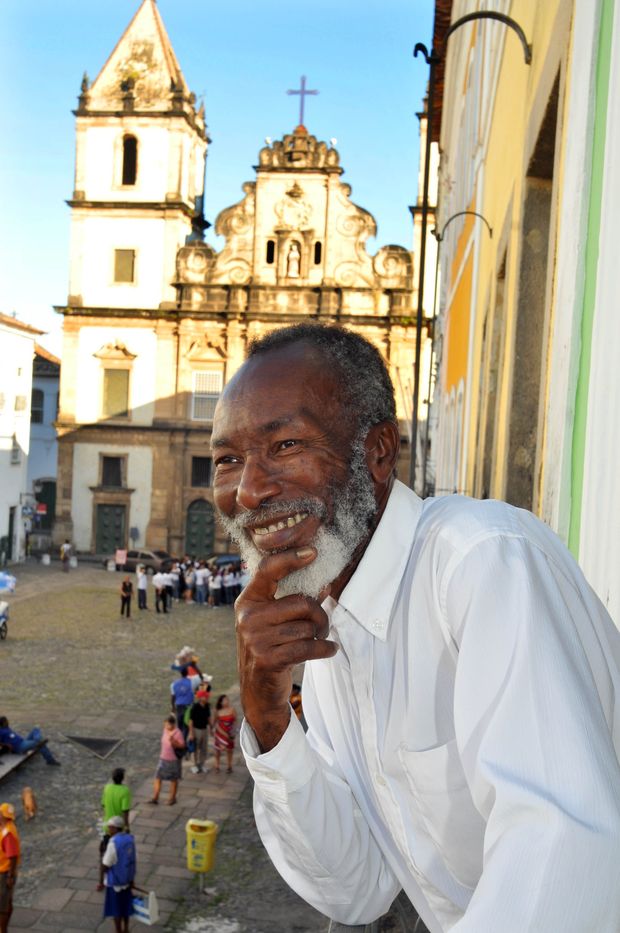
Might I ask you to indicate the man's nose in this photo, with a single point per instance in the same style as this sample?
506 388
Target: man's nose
258 482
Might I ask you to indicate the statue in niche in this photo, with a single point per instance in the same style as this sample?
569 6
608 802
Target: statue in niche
292 261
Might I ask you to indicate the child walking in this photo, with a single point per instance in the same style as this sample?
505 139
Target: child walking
224 731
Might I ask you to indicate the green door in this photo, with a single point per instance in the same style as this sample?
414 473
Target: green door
110 528
200 529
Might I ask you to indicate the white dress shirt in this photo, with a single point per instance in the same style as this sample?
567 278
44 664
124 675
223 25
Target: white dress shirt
461 742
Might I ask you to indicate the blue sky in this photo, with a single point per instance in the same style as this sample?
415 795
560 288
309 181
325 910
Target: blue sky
242 56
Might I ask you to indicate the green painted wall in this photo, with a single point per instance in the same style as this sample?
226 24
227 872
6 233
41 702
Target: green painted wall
591 268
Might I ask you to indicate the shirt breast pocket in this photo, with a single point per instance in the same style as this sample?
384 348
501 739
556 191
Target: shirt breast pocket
445 809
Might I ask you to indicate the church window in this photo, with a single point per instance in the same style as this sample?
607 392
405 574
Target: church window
115 393
207 390
36 406
124 265
318 252
112 471
130 160
271 252
201 471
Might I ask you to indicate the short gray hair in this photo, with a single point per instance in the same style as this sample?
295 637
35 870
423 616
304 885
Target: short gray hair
366 385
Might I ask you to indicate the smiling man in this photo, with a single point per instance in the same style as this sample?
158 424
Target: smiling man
460 694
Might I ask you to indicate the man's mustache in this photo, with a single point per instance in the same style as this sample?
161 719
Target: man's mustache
266 514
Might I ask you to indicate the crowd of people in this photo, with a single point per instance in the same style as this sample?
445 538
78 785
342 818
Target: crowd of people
184 737
194 582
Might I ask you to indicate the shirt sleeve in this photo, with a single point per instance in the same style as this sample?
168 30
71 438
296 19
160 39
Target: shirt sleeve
110 857
313 829
534 736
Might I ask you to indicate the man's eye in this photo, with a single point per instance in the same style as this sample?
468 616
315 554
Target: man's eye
226 460
288 444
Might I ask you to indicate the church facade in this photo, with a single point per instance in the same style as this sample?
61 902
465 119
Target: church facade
157 321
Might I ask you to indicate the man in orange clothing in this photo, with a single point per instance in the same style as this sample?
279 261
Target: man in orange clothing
9 860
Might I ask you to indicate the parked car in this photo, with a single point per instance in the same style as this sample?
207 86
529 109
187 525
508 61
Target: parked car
224 560
152 561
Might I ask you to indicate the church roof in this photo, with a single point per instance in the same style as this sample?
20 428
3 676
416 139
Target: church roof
299 151
45 363
12 322
142 62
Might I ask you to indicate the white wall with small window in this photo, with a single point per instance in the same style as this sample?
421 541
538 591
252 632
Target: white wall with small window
116 372
105 247
136 470
43 457
206 390
17 342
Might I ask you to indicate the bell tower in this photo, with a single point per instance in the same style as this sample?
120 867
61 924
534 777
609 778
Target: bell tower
141 145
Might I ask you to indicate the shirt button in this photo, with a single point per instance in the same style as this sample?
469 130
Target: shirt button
377 625
380 780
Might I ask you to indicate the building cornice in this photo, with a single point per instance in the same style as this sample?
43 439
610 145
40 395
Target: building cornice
148 115
161 206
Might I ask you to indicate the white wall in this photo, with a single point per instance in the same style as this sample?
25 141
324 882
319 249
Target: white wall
86 474
142 383
16 353
95 237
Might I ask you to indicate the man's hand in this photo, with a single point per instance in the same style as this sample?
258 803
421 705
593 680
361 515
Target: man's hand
273 635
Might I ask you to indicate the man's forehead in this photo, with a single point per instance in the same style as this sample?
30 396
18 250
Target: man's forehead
278 387
296 364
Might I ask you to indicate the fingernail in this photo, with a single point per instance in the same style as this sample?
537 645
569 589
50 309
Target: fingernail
305 552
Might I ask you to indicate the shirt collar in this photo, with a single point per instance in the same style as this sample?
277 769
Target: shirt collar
370 593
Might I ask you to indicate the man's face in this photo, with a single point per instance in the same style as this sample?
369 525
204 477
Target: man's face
289 471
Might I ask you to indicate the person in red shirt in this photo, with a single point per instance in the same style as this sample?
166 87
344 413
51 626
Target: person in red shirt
9 860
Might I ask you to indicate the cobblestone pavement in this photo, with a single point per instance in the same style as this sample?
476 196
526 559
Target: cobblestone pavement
73 667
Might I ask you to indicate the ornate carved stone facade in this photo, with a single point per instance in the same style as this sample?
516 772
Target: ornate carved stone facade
140 377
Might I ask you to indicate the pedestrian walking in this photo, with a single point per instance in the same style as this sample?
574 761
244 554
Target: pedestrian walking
200 583
116 801
224 731
215 588
126 594
119 860
9 862
199 721
142 584
181 698
161 596
65 555
169 767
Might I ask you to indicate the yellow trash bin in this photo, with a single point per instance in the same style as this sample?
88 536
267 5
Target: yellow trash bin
200 844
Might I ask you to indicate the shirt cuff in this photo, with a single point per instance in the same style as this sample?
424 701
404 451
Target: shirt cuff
285 768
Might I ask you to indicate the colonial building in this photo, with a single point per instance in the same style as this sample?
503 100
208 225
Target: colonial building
157 321
529 337
43 455
17 503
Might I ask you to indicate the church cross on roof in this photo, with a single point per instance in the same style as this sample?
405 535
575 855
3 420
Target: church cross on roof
303 93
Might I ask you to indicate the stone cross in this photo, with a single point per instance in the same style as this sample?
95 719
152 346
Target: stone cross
302 95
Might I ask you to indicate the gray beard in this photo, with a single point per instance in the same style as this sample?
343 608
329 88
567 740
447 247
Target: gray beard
354 507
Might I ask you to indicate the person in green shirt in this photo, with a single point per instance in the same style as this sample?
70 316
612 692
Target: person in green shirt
116 801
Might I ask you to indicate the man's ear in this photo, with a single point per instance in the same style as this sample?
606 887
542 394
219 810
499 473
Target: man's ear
382 446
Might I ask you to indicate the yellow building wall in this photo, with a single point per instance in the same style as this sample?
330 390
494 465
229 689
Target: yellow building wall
457 334
517 108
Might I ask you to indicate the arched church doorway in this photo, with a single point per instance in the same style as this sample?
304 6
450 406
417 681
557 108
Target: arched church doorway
199 529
